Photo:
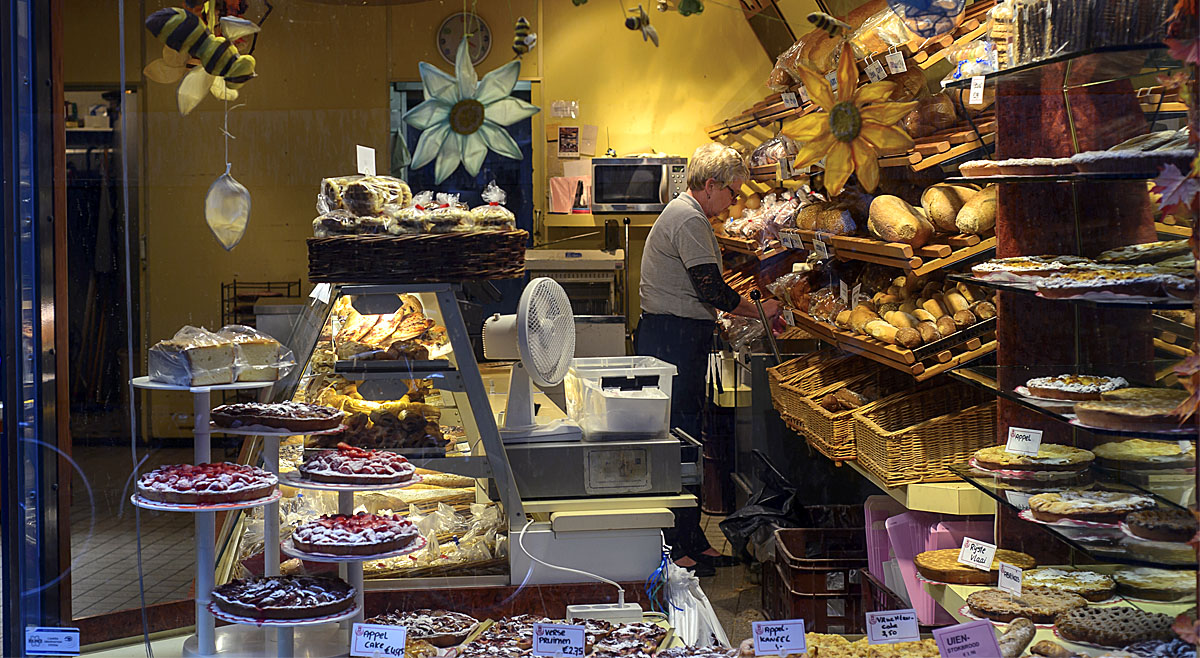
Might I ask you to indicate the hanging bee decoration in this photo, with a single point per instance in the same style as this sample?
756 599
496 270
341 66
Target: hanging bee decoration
641 21
523 40
183 32
828 23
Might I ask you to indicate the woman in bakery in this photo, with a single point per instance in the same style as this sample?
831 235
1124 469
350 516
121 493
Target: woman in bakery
681 291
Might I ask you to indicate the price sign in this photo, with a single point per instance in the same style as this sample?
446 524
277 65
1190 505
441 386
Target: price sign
854 294
51 641
844 292
557 640
366 160
803 94
1022 441
378 640
320 292
1010 578
1018 499
790 100
821 249
895 62
976 639
832 78
875 71
891 626
978 554
779 638
976 96
788 317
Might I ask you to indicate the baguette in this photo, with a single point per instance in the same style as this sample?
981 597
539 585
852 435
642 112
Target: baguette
978 214
881 330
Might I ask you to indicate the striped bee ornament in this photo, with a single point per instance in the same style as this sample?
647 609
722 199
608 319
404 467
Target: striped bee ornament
183 31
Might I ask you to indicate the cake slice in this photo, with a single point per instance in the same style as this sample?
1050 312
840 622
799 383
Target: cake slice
194 357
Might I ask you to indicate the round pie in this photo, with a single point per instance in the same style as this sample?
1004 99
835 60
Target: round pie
1039 607
1128 415
1156 584
1175 648
206 484
350 465
1140 394
441 628
1050 457
284 597
1073 387
1088 584
1113 626
1142 454
361 534
1094 506
1174 525
290 416
943 566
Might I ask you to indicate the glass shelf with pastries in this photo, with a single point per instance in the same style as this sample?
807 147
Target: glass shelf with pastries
1111 540
1085 67
1094 301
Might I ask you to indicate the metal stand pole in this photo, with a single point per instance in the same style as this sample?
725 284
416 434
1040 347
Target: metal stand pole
206 534
756 297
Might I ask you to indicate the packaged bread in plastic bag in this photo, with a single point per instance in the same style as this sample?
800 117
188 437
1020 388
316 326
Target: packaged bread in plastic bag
779 79
880 32
448 215
342 222
412 218
363 196
194 356
257 356
493 214
970 59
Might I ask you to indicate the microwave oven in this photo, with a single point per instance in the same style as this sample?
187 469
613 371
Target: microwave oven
636 185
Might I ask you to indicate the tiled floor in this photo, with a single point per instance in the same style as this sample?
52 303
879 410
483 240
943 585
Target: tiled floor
104 536
734 592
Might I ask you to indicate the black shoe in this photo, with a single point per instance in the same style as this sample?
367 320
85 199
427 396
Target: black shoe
701 569
719 560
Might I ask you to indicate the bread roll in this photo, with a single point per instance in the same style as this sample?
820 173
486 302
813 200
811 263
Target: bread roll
964 319
942 202
946 326
908 337
830 403
843 319
888 307
935 308
892 219
967 292
880 330
931 288
928 331
860 317
909 84
900 320
924 316
908 306
955 302
978 215
850 399
984 310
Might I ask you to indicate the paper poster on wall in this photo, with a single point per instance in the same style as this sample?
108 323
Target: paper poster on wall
568 141
587 139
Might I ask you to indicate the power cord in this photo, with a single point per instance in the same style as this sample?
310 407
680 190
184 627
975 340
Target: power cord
521 543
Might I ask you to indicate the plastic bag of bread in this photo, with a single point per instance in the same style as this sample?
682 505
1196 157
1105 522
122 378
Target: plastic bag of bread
493 214
934 113
448 215
362 196
930 18
910 84
779 147
970 59
411 218
194 356
342 222
779 79
257 357
880 32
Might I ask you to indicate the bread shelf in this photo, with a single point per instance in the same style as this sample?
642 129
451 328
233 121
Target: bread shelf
944 251
1173 230
941 147
750 247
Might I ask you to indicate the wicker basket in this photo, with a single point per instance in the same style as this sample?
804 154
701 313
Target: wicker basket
832 432
787 371
417 258
914 438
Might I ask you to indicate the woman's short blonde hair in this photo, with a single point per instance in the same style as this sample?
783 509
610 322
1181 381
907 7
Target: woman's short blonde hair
718 162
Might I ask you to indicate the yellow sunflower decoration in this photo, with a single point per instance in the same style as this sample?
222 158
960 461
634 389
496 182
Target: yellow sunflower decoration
853 126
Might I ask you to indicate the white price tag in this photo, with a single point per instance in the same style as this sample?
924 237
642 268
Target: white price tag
855 293
895 62
321 291
1010 578
558 640
366 160
875 71
978 554
1018 499
788 318
976 96
779 638
1184 447
371 640
1022 441
820 247
844 292
803 94
832 78
788 240
892 626
790 100
51 641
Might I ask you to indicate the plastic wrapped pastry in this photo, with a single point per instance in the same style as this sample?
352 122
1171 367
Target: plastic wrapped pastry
412 218
227 210
341 222
257 357
449 215
194 356
363 196
879 32
493 214
970 59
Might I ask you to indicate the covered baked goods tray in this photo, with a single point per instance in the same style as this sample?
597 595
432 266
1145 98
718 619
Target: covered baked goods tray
417 258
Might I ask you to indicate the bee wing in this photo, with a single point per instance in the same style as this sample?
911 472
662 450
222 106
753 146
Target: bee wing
174 58
163 72
234 28
193 89
652 33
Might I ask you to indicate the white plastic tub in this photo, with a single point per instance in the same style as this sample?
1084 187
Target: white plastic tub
620 396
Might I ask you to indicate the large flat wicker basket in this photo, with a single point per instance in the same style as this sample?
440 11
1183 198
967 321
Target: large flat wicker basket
906 439
788 371
832 432
417 258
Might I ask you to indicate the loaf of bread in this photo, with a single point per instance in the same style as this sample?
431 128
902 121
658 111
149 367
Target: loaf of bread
907 337
892 219
928 331
860 317
984 310
955 302
923 315
942 202
964 319
910 84
946 326
900 320
978 214
881 330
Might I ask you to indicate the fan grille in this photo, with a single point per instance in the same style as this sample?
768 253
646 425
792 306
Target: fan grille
548 325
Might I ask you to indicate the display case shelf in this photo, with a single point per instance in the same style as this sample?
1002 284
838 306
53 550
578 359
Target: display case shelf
1076 177
1164 303
1098 543
1106 64
944 251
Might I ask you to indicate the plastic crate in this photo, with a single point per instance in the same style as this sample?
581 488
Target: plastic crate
817 576
822 613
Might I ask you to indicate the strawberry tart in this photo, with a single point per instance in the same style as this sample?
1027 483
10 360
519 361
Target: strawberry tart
206 484
350 465
361 534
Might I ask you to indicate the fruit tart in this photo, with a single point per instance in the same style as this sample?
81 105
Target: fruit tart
441 628
350 465
206 484
360 534
290 416
284 597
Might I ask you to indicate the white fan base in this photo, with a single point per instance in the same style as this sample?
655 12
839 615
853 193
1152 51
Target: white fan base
557 430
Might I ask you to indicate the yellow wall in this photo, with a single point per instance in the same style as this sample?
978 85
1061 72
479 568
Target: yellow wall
322 89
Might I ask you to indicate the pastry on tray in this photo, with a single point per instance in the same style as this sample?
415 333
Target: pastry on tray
943 566
290 416
1113 626
441 628
1041 607
1145 163
1030 266
1112 280
284 597
360 534
1093 506
1090 585
1073 387
976 168
206 484
1143 454
1147 252
1130 415
1173 525
1175 648
1156 584
350 465
1050 457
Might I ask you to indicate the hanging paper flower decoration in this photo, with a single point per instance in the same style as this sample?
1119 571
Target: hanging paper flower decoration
929 18
853 126
463 117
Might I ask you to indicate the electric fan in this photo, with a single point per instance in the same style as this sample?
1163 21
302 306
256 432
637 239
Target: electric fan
542 336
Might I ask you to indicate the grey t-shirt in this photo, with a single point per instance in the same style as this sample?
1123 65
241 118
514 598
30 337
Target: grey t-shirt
680 238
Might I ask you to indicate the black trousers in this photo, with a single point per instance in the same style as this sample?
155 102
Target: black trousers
684 343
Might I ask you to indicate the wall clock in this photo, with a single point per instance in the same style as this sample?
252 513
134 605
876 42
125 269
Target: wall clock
451 31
